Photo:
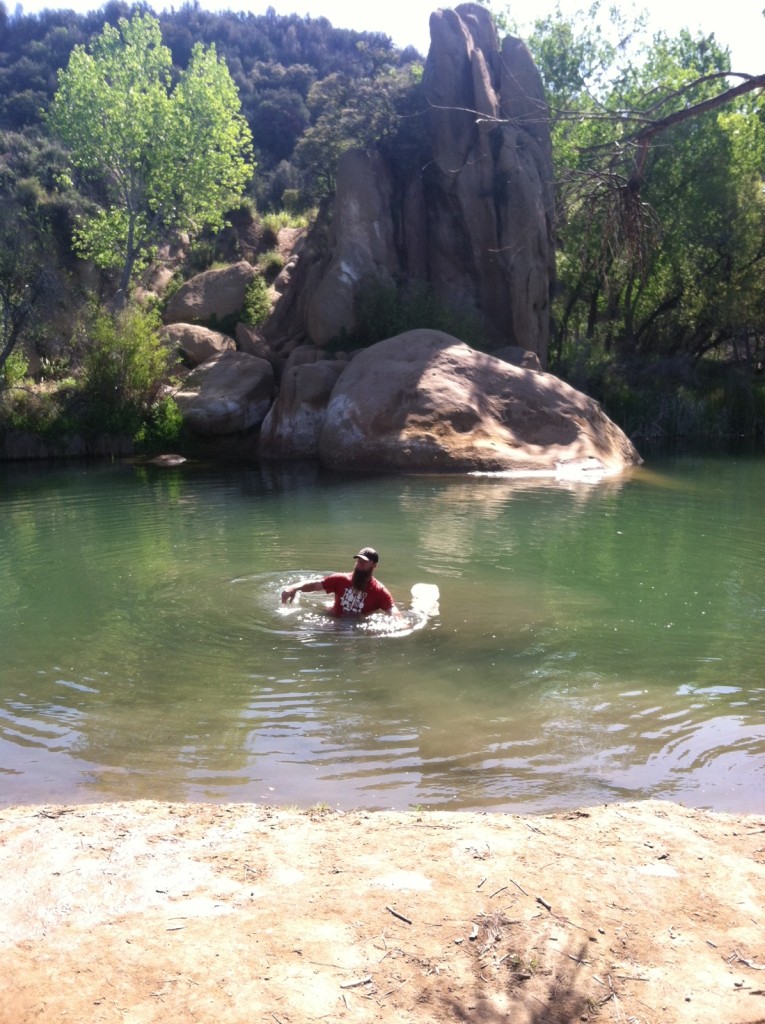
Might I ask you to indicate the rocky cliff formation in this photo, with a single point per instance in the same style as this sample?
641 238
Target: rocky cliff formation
473 219
473 222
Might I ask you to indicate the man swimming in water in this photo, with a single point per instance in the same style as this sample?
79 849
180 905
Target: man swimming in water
356 593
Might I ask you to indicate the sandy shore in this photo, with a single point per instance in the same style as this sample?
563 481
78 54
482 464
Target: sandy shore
647 913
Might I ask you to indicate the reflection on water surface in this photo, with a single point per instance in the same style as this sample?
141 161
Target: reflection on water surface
593 642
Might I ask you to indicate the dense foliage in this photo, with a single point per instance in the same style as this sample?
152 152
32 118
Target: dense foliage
163 158
274 62
123 368
33 218
661 260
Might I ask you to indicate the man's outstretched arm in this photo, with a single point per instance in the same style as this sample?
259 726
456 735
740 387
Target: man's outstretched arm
288 594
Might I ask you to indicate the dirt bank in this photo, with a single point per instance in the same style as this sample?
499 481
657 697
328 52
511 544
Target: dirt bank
646 913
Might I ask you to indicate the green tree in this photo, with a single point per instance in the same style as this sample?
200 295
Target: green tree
19 286
26 281
661 214
347 114
162 156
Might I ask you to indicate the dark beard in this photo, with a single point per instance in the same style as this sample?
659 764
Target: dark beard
361 578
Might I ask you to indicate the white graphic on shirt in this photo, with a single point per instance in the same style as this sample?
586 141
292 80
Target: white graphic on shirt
352 601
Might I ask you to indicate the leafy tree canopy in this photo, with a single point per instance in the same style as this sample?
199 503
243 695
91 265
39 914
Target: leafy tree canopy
661 214
161 156
30 262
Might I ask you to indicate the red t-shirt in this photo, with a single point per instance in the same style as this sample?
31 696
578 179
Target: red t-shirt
356 602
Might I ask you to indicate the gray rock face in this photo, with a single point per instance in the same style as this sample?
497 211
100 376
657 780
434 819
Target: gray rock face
292 428
361 245
250 340
197 344
214 294
473 220
229 394
426 401
489 191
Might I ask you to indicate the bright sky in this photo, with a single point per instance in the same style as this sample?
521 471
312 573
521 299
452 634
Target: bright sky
738 24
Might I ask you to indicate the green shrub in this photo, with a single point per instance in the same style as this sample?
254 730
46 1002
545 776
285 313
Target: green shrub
163 428
272 223
669 400
36 411
173 285
385 310
271 264
288 218
292 201
55 368
123 368
257 304
14 370
200 255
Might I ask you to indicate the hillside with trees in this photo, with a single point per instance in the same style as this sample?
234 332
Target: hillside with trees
284 68
660 292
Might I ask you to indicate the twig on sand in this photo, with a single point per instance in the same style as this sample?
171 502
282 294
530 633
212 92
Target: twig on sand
742 960
397 989
358 981
577 959
615 998
399 916
517 886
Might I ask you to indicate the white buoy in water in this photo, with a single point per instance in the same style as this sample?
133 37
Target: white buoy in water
425 598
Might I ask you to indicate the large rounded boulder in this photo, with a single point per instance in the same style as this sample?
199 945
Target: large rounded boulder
228 394
211 296
425 401
196 344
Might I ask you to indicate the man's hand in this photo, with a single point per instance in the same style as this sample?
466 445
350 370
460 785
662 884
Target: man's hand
300 588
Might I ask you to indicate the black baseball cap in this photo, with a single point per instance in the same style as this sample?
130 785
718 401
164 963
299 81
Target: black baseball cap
369 554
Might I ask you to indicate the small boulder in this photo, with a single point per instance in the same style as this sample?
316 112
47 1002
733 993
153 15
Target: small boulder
289 245
196 344
518 356
212 295
292 427
228 394
250 340
303 354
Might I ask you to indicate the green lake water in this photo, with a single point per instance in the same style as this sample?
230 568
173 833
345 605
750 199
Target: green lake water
593 643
